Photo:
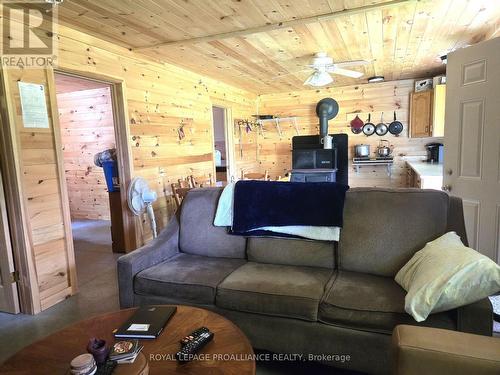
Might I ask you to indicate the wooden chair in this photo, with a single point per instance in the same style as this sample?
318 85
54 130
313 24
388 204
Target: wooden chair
201 181
255 175
179 191
184 183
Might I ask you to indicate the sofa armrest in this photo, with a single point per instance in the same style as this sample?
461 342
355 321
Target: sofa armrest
456 221
433 351
156 251
476 318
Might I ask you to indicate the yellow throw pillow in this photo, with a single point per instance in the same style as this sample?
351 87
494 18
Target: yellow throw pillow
444 275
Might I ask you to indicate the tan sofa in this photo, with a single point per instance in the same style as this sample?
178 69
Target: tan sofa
299 296
433 351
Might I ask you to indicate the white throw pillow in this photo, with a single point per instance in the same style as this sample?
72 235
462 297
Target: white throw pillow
444 275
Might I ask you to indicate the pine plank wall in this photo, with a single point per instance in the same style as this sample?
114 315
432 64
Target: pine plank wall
268 151
160 99
86 121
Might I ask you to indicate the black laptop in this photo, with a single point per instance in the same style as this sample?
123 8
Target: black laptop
146 323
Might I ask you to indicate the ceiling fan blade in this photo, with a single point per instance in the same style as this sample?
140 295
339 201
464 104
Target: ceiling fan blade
341 64
347 72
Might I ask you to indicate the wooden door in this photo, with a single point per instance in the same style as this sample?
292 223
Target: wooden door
9 299
472 141
421 114
47 261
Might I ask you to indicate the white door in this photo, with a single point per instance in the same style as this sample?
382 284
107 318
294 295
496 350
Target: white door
472 141
9 300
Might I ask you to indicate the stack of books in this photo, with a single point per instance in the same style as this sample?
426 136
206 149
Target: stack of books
125 351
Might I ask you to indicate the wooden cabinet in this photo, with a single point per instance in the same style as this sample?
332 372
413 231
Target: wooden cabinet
412 178
117 226
421 105
438 111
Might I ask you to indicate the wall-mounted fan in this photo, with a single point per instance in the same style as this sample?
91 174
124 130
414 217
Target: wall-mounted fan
140 198
323 66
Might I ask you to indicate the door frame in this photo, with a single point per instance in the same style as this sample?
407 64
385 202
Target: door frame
10 290
228 138
20 232
122 136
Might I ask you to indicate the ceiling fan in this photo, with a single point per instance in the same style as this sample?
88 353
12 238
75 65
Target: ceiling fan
323 66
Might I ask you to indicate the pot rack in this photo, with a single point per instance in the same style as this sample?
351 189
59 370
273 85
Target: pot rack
384 161
278 120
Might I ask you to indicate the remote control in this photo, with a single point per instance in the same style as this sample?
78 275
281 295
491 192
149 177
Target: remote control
106 368
188 350
194 335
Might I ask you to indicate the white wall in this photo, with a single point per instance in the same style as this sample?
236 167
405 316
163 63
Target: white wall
219 135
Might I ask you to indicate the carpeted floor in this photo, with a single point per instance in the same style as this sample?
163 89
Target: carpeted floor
98 291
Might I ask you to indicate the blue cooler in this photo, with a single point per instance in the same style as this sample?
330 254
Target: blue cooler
111 174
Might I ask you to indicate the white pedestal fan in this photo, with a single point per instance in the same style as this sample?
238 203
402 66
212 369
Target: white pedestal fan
140 198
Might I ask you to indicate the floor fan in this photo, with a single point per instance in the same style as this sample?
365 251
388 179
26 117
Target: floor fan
140 198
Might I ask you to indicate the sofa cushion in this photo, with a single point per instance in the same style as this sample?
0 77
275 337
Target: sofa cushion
186 277
291 251
383 228
289 291
198 235
372 303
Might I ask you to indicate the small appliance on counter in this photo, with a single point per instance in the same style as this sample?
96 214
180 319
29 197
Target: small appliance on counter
434 152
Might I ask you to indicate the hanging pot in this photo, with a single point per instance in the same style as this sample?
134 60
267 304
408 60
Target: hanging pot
395 127
381 128
357 125
368 127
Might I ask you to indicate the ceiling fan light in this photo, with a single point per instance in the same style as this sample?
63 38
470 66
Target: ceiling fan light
318 79
376 79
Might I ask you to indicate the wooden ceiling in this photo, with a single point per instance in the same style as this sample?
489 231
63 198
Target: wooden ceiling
266 43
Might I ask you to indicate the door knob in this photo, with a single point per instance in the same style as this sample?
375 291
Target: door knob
446 188
449 172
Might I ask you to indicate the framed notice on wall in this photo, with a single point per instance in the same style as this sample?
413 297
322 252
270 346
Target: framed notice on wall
33 105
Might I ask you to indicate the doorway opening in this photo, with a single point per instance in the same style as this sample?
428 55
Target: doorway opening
221 150
87 127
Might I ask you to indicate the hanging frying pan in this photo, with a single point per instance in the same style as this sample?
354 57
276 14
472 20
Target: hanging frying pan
357 125
395 127
381 128
368 127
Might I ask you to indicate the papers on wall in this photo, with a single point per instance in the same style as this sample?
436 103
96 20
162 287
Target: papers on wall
33 105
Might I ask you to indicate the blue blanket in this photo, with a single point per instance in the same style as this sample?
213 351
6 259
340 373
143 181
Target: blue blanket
260 204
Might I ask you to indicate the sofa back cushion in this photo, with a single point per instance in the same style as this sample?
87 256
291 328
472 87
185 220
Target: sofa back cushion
291 251
198 235
383 228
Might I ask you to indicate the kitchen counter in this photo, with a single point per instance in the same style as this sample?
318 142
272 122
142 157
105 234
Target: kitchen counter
425 175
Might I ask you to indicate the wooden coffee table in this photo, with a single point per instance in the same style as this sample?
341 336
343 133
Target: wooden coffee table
230 351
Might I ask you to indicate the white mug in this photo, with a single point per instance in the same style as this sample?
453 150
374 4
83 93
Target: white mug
327 142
